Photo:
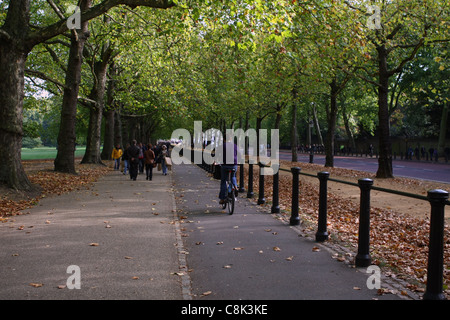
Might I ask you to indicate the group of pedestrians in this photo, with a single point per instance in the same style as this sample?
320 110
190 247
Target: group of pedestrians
136 157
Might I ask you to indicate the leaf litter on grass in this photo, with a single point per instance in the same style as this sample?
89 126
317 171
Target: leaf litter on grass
50 183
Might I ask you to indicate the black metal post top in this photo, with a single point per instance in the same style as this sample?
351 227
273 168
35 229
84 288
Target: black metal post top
365 182
323 175
438 194
295 170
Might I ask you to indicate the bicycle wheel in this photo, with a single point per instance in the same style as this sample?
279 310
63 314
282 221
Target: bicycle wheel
231 200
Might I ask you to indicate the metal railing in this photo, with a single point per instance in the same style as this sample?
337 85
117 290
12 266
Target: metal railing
438 199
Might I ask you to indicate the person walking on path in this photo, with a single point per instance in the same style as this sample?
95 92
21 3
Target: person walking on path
125 160
163 155
141 157
133 154
116 154
149 157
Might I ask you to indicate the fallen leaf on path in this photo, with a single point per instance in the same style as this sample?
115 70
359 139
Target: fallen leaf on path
36 285
94 244
276 249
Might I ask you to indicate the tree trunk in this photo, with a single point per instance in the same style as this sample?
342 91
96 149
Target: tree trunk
12 64
118 129
13 55
385 147
317 126
109 141
108 138
258 127
294 135
443 130
65 158
348 130
92 154
331 119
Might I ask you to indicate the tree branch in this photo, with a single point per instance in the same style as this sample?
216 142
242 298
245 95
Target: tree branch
56 9
376 84
59 27
43 76
409 58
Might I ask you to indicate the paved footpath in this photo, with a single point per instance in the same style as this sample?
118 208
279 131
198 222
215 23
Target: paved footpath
252 254
167 239
120 233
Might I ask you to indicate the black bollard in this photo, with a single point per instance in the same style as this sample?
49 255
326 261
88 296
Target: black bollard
435 270
250 181
275 193
294 220
261 199
322 234
363 258
241 178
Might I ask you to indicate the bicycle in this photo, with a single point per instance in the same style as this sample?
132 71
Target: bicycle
230 200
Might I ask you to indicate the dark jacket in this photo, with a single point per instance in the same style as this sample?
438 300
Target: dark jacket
133 154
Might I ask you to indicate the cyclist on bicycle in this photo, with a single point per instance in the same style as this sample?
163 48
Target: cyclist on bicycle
227 164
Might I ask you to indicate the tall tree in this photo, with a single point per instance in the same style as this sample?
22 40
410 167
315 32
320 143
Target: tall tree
395 32
17 38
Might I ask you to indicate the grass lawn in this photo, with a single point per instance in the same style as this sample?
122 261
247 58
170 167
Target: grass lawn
47 153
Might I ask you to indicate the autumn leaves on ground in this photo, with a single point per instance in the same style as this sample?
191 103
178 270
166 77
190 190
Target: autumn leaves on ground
399 228
398 238
48 182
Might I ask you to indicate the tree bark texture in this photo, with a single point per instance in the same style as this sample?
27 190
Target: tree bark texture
294 135
92 154
385 146
331 120
13 54
65 157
